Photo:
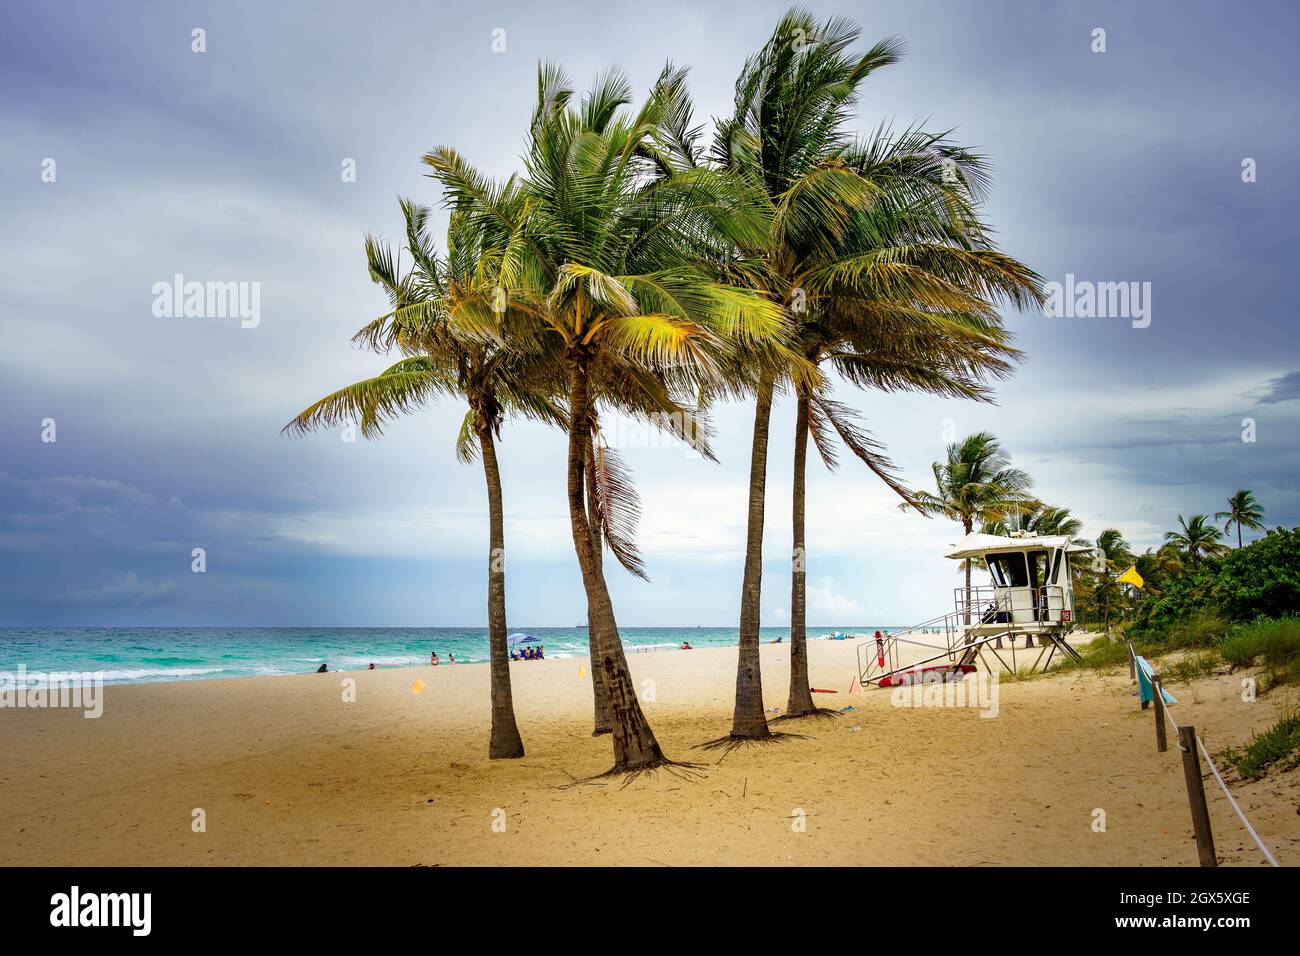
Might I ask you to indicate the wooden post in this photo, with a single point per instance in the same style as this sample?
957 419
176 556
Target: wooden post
1158 695
1196 796
1132 664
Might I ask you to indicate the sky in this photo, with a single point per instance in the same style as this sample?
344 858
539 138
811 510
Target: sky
1167 159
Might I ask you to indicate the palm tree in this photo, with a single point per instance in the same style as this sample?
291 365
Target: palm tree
976 483
605 250
1112 553
494 381
1114 548
1243 509
884 269
1198 538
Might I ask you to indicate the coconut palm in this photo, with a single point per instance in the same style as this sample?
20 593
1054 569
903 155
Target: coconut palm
494 381
611 257
884 269
1094 583
1197 539
974 483
1114 549
1243 510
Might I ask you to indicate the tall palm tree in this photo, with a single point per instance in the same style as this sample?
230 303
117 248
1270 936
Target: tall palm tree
1114 549
884 269
975 482
1197 539
1094 583
609 253
491 379
1243 509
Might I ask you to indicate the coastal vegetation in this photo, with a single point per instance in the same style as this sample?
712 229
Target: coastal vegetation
635 267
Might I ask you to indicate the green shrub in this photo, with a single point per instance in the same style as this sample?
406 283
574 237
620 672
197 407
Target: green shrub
1199 629
1280 744
1276 641
1261 579
1190 668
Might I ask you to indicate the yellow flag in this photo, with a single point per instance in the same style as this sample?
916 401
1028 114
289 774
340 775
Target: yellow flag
1132 577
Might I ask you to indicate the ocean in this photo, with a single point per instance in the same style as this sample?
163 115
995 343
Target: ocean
135 655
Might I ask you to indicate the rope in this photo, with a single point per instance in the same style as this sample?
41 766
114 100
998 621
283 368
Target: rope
1227 793
1159 689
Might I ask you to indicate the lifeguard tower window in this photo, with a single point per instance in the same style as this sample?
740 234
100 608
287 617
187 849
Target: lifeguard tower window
1009 570
1038 567
1056 566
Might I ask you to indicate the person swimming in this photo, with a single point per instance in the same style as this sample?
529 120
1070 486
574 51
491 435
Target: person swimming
686 646
433 658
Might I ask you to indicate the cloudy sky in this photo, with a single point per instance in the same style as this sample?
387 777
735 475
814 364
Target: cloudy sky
226 166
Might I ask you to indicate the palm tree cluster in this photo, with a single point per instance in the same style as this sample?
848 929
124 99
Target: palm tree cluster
635 266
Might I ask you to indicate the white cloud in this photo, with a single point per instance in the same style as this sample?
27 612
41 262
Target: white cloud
825 603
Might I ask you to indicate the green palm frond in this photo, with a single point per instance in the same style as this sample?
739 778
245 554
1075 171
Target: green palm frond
374 402
618 507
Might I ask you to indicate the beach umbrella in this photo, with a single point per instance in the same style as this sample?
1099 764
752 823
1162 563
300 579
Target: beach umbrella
522 638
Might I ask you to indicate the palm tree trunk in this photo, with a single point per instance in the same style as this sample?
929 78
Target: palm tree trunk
748 719
505 740
1239 534
599 702
635 747
800 701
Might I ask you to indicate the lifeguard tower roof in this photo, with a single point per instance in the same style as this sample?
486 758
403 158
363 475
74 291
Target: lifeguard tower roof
976 545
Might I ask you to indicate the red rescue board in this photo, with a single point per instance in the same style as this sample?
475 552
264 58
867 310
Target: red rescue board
945 672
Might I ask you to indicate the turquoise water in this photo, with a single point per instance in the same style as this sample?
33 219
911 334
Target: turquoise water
143 655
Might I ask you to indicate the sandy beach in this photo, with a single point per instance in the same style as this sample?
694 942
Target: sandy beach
286 772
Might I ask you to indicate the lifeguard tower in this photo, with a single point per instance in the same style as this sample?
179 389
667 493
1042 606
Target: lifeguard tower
1030 596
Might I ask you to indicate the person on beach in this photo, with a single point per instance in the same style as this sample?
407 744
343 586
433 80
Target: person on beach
371 667
433 658
451 658
322 669
686 646
541 652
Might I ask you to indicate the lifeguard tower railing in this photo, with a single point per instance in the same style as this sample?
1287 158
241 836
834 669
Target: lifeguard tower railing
982 616
1025 609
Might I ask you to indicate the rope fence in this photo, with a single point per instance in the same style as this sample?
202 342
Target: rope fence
1192 748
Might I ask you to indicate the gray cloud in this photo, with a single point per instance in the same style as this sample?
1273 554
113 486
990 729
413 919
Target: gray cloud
225 166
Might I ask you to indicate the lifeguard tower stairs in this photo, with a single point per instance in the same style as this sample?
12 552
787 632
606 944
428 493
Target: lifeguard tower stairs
985 621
